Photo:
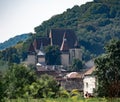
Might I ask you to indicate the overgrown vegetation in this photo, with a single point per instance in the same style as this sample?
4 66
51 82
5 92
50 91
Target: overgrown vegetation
66 100
52 55
108 70
22 82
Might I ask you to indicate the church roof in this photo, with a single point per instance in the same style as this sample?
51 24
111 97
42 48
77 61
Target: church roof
31 49
64 46
56 36
44 40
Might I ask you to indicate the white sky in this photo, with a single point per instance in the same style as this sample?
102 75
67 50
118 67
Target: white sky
21 16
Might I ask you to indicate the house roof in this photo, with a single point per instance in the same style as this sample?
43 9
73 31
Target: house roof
57 35
90 71
74 75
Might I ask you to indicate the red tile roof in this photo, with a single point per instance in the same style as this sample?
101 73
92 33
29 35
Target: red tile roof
90 71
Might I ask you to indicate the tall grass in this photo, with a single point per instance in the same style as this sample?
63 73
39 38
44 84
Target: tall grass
73 99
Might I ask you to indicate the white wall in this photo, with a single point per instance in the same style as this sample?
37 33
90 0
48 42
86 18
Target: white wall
89 84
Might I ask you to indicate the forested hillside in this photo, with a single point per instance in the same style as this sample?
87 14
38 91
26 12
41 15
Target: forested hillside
95 23
13 41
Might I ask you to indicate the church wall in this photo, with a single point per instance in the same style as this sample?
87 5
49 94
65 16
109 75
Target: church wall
41 59
31 59
65 59
75 54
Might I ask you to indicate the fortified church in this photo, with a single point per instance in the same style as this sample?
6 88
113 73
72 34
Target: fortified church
65 39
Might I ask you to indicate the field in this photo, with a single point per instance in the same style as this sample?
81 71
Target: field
66 100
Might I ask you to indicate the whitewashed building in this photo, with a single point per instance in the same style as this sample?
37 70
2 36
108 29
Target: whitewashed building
89 82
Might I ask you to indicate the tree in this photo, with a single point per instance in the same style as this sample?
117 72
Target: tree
53 55
108 70
50 86
15 80
46 86
11 55
1 90
20 81
77 65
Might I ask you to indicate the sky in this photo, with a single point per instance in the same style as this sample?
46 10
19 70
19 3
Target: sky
22 16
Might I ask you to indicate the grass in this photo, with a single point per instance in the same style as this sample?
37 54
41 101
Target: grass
73 99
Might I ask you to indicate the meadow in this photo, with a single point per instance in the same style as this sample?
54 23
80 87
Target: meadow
73 99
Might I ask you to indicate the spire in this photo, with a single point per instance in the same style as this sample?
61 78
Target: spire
41 53
41 47
64 46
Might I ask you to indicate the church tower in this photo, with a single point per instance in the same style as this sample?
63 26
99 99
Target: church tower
41 55
31 59
75 53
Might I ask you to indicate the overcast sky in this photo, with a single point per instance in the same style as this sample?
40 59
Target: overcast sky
21 16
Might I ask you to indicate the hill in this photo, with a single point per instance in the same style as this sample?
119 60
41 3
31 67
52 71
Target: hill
13 41
95 23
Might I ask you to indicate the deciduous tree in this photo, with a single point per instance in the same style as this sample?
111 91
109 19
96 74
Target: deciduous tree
53 55
108 70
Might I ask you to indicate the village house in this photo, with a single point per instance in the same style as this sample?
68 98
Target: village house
89 82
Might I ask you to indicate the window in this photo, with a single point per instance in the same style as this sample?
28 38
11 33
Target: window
86 85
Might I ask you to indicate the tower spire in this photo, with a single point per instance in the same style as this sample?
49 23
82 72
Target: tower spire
41 46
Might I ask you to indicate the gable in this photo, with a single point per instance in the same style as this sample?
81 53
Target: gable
44 40
57 37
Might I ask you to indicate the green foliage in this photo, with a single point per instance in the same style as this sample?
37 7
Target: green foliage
65 100
15 79
44 87
10 54
3 66
1 90
77 65
13 41
64 93
21 82
108 70
53 55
